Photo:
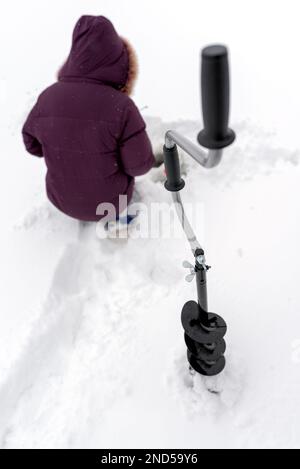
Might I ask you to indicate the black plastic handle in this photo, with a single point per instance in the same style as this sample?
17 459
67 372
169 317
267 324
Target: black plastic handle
174 182
215 98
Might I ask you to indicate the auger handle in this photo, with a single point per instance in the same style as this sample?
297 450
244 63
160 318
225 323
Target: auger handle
174 182
215 98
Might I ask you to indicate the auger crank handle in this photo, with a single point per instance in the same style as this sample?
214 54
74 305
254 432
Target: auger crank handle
215 92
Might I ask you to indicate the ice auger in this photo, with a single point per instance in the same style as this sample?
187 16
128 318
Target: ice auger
204 331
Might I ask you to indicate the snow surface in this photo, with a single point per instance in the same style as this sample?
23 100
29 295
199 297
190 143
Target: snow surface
91 349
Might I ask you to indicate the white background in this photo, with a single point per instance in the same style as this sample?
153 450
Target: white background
90 357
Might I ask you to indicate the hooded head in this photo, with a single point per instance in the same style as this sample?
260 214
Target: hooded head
99 54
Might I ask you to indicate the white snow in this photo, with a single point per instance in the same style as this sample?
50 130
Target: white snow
91 350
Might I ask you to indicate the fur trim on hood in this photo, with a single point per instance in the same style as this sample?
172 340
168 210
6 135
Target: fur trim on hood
133 68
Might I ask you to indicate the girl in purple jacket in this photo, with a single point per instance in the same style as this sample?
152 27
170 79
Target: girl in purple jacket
86 126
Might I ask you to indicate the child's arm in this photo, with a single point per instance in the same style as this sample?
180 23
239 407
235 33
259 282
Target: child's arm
135 147
31 143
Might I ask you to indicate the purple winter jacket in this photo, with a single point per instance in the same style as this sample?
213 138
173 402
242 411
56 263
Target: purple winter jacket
90 133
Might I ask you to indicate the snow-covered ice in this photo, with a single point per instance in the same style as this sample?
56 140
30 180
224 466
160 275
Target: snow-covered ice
91 351
100 360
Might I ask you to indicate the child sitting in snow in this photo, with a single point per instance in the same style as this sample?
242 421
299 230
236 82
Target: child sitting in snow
86 126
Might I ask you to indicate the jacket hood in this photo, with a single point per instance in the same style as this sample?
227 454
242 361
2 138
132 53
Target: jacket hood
99 54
